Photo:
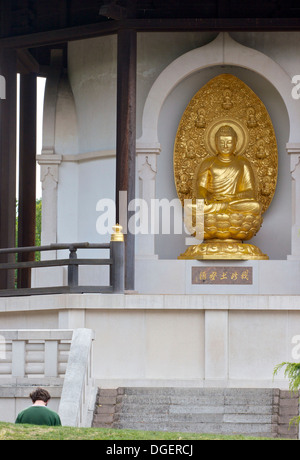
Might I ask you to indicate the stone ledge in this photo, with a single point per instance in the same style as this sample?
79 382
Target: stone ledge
25 390
150 302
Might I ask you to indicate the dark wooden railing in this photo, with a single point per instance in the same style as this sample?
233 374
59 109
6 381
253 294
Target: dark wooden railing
115 262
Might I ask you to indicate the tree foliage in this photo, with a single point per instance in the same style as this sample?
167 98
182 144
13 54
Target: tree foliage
292 372
38 225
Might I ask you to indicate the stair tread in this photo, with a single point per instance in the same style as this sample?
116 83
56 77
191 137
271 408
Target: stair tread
245 411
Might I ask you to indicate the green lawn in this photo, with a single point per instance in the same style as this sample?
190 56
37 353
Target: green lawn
27 432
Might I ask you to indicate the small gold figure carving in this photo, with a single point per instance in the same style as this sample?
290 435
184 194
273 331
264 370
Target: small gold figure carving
261 152
200 122
227 103
229 168
266 189
190 149
251 122
184 187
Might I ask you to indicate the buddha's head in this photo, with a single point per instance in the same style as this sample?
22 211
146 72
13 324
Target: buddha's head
226 140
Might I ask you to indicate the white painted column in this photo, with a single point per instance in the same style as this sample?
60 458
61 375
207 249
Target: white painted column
294 153
49 178
147 171
216 347
49 160
50 276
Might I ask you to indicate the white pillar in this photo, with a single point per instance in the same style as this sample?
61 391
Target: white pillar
294 153
147 171
49 160
49 178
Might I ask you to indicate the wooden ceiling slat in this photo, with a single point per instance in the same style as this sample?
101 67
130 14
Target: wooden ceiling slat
40 24
60 36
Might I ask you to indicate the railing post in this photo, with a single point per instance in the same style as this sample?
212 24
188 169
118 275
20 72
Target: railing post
73 269
117 251
51 358
18 358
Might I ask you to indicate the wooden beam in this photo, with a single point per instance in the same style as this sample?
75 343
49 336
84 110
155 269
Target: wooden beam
5 17
27 173
26 63
58 36
126 137
8 65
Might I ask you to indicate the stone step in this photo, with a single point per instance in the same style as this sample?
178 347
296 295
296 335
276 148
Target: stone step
263 400
170 418
201 409
249 412
205 428
193 391
196 418
249 393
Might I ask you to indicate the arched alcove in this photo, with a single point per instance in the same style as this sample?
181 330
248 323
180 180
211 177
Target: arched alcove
220 52
275 235
167 100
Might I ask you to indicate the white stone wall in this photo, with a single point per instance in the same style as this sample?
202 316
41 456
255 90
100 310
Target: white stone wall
85 134
176 333
11 405
182 340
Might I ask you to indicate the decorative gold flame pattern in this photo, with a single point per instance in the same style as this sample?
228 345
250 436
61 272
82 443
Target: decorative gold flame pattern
226 100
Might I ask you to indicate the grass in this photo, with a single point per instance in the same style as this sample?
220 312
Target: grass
14 432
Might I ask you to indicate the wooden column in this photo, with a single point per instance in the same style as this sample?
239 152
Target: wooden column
8 161
27 172
126 138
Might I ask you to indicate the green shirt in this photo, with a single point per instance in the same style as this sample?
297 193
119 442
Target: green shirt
39 415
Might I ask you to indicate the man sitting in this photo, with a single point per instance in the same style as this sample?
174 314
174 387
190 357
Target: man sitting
38 413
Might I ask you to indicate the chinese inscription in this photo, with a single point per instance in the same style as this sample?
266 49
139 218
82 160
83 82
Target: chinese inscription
222 275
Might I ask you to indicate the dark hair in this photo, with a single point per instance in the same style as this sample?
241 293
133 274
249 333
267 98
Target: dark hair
40 395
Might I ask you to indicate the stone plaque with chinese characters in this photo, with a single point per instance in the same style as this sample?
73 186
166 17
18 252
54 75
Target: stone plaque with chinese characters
222 275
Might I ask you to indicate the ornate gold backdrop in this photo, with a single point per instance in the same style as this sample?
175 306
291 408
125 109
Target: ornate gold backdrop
226 100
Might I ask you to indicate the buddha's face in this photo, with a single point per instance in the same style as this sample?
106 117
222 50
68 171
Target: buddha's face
226 145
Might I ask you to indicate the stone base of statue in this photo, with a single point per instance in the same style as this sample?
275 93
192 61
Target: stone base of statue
216 249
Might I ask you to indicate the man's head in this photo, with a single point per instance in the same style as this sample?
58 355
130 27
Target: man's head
226 140
40 395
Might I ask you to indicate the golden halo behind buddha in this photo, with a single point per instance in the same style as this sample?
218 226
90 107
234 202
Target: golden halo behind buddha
213 128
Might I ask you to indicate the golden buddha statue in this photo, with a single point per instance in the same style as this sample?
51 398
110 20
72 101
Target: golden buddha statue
225 182
227 175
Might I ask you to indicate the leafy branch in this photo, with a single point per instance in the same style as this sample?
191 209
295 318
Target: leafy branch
292 372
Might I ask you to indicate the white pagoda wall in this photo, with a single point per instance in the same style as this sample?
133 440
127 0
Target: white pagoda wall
173 340
87 170
172 332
